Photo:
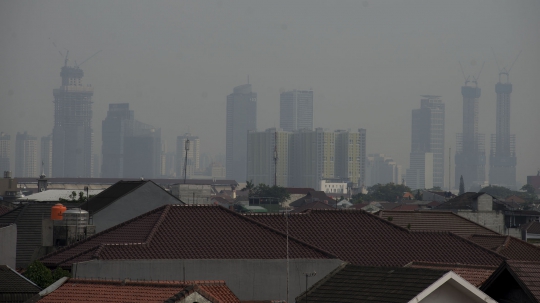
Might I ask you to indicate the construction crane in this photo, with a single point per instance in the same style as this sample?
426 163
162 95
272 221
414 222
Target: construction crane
77 66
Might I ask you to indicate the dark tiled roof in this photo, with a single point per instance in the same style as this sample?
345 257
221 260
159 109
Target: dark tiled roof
359 206
14 287
474 274
312 205
435 221
526 275
111 194
4 210
28 218
313 196
406 207
463 201
186 232
351 283
510 247
365 239
82 290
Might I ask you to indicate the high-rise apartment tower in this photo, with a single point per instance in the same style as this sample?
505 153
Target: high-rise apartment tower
427 138
350 156
72 132
241 118
296 110
470 151
263 147
5 152
26 151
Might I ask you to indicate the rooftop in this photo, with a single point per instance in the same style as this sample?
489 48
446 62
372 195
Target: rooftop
82 290
186 232
14 287
510 247
435 221
474 274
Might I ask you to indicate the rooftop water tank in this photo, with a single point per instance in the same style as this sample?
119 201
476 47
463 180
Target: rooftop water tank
57 211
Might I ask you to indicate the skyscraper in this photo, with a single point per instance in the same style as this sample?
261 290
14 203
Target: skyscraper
193 155
142 151
262 148
72 132
46 155
241 118
502 160
382 169
470 152
26 150
350 156
427 137
5 152
296 110
115 128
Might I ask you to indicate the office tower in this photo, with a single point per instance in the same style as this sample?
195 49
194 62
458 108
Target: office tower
382 170
350 156
427 137
5 152
46 155
72 132
96 166
241 118
142 151
115 128
263 148
296 110
312 157
502 159
193 155
26 151
470 152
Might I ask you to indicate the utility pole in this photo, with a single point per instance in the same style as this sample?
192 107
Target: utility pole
275 159
309 274
449 168
186 147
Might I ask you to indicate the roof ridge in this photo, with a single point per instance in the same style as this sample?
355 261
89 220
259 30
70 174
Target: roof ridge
167 192
460 265
102 232
158 223
142 182
478 245
76 255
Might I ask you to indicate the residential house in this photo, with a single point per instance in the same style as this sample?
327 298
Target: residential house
313 196
14 287
531 232
351 283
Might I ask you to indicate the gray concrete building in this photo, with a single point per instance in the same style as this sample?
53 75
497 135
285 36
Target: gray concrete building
114 128
241 118
296 110
382 170
262 148
350 156
5 152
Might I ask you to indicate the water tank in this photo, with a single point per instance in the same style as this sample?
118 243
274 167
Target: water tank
57 211
76 217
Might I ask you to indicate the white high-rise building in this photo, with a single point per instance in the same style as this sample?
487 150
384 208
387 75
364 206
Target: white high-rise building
193 155
350 163
263 147
296 110
420 173
26 151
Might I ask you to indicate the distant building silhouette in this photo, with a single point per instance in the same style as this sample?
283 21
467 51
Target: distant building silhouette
72 132
260 157
502 159
26 151
115 128
382 170
470 151
350 156
5 152
427 142
296 110
193 155
241 118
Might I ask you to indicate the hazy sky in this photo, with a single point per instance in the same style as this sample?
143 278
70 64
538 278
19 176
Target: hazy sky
368 62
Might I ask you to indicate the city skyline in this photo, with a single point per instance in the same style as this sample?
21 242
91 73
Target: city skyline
367 77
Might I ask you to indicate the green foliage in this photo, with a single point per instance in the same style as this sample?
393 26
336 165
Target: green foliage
249 187
74 197
383 192
42 276
528 188
59 273
39 274
418 195
499 192
277 192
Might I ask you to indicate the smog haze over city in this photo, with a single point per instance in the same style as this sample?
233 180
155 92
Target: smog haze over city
367 62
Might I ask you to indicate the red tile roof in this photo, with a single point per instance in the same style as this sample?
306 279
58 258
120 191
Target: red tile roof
532 227
365 239
529 275
510 247
435 221
186 232
474 274
82 290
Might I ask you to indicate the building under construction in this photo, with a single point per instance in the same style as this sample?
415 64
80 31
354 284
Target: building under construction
470 151
502 158
72 132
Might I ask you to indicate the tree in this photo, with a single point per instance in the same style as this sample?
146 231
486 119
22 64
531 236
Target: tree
277 192
39 274
249 187
59 273
74 197
418 195
390 192
461 186
528 188
500 192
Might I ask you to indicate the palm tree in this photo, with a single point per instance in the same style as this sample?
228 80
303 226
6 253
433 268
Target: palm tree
250 187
